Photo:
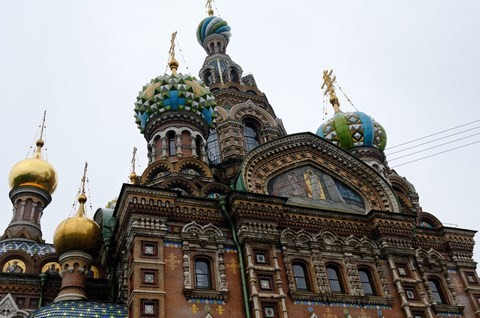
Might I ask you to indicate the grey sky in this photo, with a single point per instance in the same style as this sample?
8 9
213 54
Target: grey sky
412 65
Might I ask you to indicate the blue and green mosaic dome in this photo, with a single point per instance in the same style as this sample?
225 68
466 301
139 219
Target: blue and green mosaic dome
86 309
355 129
175 92
213 25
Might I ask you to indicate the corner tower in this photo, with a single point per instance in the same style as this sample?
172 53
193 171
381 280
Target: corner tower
245 117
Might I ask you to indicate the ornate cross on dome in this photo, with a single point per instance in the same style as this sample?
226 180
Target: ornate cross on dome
173 63
84 177
328 81
43 124
209 6
133 158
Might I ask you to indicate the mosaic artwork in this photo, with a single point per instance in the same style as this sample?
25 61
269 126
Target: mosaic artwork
310 186
14 266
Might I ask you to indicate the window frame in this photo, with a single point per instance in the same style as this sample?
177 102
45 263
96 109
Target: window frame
208 275
439 293
154 302
339 278
305 277
251 140
370 280
171 144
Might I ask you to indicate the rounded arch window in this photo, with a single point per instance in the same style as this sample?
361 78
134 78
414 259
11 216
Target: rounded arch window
171 143
335 279
437 290
300 274
366 279
250 133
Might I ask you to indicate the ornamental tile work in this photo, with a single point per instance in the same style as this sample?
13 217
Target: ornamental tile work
339 304
31 248
86 309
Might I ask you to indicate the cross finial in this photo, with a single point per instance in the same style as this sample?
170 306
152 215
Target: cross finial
43 124
134 158
84 178
173 63
209 7
328 81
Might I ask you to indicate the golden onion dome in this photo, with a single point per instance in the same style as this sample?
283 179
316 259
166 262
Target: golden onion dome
34 172
78 232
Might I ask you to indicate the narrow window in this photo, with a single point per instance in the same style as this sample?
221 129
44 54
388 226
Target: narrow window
202 274
366 281
171 143
198 146
251 136
212 146
301 276
334 279
437 291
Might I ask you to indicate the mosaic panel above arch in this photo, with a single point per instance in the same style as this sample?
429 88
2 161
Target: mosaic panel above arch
311 186
273 161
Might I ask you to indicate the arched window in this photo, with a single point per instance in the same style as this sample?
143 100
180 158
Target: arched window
198 146
251 136
300 273
171 143
202 273
234 76
437 291
213 148
208 78
335 279
366 281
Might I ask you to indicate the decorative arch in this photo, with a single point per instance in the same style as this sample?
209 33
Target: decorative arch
214 187
249 109
192 162
182 183
285 153
154 169
28 266
428 220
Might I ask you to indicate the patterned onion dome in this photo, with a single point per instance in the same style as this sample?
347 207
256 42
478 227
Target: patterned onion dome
348 130
213 25
174 92
78 232
34 172
86 309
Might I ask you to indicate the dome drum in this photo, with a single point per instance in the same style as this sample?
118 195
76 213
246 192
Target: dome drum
170 119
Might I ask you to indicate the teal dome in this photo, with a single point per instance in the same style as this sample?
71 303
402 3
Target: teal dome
355 129
175 92
212 25
79 308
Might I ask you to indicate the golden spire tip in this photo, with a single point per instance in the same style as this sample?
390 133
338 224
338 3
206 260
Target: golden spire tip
173 63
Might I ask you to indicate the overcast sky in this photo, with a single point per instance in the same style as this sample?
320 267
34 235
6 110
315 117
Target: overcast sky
411 65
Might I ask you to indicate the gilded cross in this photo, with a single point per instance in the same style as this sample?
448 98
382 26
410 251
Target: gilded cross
209 7
172 46
328 81
133 158
84 177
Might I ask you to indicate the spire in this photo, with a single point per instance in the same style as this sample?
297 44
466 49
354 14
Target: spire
40 142
208 5
82 198
133 175
173 63
330 89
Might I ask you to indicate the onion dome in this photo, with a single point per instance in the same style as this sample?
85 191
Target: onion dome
34 172
355 129
213 25
175 92
86 309
78 232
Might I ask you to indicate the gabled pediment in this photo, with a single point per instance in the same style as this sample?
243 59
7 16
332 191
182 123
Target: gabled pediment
8 308
310 171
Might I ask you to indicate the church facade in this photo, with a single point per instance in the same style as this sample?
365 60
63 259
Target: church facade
233 217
